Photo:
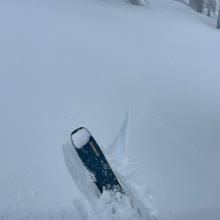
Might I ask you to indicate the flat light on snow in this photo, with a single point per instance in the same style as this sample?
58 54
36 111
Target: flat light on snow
80 138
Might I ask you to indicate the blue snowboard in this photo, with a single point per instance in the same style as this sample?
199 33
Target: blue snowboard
94 160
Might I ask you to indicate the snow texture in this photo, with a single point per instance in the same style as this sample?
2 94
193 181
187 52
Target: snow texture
71 63
130 206
80 138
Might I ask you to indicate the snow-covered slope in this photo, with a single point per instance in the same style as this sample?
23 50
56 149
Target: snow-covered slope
64 64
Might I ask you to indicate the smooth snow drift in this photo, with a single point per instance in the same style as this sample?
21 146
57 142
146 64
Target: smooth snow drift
80 138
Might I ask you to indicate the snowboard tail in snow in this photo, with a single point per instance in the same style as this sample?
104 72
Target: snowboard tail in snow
94 160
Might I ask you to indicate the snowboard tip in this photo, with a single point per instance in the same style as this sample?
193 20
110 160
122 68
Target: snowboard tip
80 137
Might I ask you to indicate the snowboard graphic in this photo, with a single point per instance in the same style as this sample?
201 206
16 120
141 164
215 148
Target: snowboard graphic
94 160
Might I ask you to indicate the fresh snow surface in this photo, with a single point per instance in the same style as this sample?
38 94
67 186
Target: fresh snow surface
72 63
80 138
130 206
